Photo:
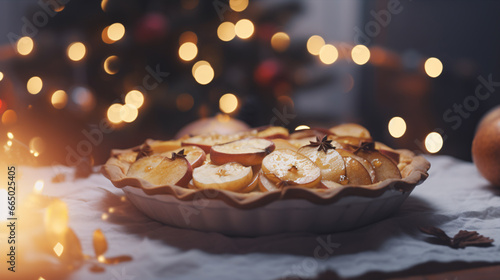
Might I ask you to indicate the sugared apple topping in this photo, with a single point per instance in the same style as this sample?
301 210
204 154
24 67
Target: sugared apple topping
269 158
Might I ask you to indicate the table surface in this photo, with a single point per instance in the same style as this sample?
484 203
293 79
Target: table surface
454 197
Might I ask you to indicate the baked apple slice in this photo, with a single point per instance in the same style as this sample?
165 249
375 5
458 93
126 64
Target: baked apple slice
205 142
366 164
248 151
356 173
160 171
289 168
163 146
273 132
194 154
351 129
330 162
265 185
230 176
326 184
283 144
384 167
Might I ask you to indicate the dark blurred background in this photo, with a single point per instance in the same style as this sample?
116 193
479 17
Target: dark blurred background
111 73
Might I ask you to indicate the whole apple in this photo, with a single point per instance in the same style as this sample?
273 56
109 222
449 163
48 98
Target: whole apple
486 147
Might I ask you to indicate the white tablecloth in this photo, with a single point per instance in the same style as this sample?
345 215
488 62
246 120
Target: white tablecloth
454 197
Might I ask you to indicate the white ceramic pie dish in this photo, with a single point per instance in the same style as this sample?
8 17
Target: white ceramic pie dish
291 209
292 215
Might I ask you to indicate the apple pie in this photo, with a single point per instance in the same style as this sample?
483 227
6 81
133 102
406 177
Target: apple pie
262 160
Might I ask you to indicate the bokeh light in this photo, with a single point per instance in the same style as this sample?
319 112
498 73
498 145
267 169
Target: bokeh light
360 54
328 54
113 113
433 142
59 99
244 28
228 103
34 85
76 51
37 145
25 45
238 5
280 41
134 98
128 113
433 67
203 72
301 127
184 102
38 188
1 76
116 31
104 4
10 135
314 44
226 31
111 64
188 51
84 98
9 117
188 36
397 127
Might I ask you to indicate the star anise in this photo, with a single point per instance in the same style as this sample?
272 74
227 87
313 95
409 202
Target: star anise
178 154
323 144
365 146
144 151
462 239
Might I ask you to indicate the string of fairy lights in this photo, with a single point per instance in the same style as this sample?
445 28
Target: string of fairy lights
203 72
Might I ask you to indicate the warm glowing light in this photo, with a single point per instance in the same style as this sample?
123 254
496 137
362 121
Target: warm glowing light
37 145
433 142
38 187
123 198
56 217
59 249
188 51
433 67
34 85
114 113
228 103
238 5
280 41
128 113
314 44
244 28
110 65
36 154
25 45
203 72
59 99
111 210
328 54
360 54
301 127
101 259
184 102
10 135
104 4
116 31
1 76
104 216
397 127
188 36
134 98
9 117
76 51
9 143
41 278
226 31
